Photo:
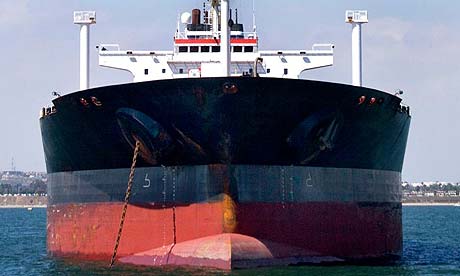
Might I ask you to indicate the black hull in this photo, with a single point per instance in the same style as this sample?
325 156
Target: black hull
204 121
233 172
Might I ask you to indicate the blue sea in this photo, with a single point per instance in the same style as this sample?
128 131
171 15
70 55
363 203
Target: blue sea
431 247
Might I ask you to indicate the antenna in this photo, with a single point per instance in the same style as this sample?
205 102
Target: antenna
254 15
13 167
178 24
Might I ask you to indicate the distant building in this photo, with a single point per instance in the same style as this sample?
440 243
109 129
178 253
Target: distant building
15 182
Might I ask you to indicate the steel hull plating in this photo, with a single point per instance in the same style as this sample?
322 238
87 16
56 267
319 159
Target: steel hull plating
299 214
272 172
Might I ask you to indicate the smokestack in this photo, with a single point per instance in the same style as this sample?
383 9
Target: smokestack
196 17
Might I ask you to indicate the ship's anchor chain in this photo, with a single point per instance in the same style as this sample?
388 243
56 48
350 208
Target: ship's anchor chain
125 206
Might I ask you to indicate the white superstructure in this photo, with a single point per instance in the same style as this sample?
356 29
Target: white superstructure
199 52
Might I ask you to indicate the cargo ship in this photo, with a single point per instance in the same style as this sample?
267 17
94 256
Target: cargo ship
234 160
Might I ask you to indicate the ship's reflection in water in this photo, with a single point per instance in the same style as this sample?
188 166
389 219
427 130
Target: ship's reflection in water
72 267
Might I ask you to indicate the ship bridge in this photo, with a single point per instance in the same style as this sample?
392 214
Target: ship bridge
197 52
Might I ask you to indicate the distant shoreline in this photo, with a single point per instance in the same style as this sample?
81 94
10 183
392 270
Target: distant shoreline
40 201
21 206
430 204
23 201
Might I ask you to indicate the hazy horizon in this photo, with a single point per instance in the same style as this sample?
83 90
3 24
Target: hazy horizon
410 46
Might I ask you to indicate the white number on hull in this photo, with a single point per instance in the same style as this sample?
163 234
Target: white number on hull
147 181
308 181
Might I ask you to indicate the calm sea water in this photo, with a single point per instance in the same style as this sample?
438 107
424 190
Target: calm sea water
431 247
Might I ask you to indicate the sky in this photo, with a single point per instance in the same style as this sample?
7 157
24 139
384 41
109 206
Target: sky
410 45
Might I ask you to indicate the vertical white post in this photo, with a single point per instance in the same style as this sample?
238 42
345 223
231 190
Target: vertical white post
356 19
84 56
84 19
357 69
225 38
215 18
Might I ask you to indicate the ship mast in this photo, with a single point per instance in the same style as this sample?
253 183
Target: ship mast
225 38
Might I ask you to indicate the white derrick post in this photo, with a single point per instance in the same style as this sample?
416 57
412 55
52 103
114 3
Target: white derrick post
225 38
356 53
84 56
84 19
356 19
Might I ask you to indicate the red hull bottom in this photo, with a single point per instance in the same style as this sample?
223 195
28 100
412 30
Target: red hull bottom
227 235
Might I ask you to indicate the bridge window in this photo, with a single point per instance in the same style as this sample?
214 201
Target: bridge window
163 71
237 49
248 49
146 71
183 49
268 70
181 70
215 49
285 71
205 49
194 49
